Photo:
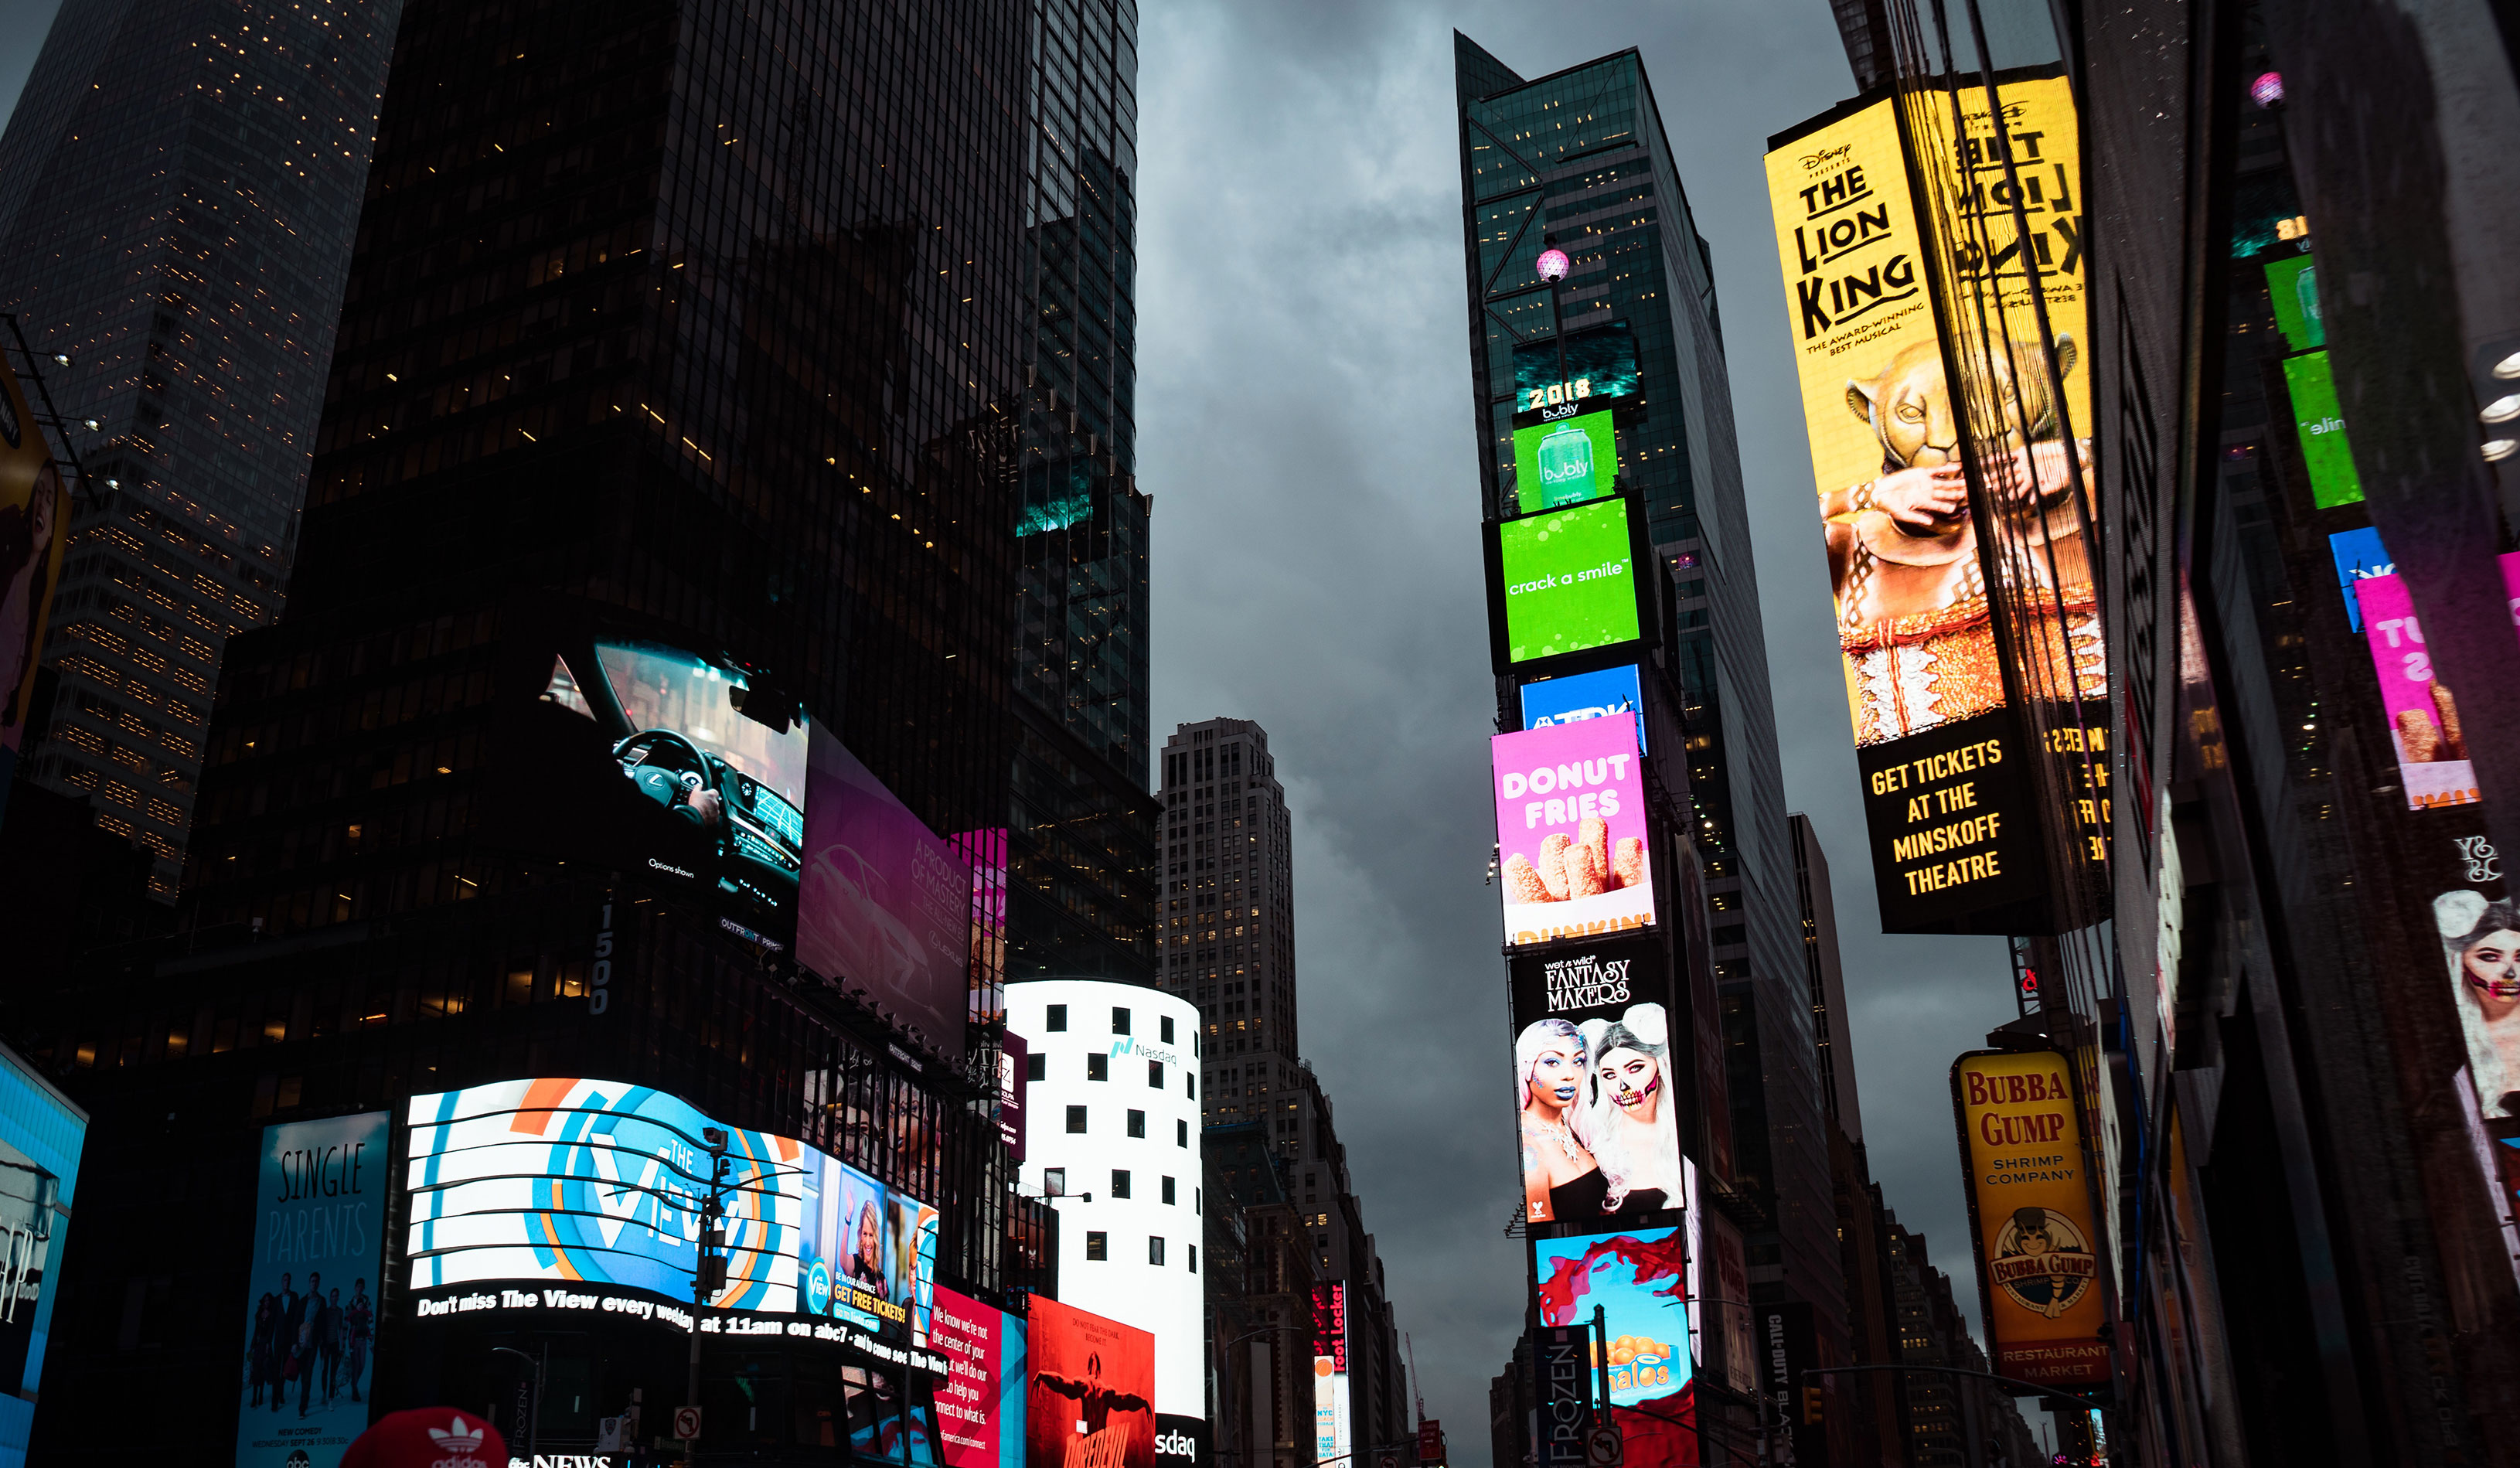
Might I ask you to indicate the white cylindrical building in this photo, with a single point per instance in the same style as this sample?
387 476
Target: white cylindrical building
1111 1105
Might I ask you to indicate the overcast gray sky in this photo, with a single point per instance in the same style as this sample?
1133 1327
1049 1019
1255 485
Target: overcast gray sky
1306 429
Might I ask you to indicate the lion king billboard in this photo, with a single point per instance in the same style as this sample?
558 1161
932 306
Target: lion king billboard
1924 660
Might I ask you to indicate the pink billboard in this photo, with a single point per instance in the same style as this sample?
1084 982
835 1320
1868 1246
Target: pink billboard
884 906
2423 717
967 1334
1571 830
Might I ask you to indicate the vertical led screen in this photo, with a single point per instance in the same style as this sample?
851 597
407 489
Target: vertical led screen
1332 1437
1638 1279
1593 1082
1564 581
310 1297
2359 556
887 904
638 756
985 852
1578 696
1091 1401
980 1403
34 512
2318 427
1566 460
2479 967
2039 1253
859 1251
1917 628
2423 717
1571 830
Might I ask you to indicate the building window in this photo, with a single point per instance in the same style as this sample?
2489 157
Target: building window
1076 1118
1120 1021
1036 1067
1059 1016
1137 1123
1181 1133
1155 1075
1198 1200
1193 1258
1154 1251
1097 1067
1120 1182
1098 1244
1165 1025
1168 1191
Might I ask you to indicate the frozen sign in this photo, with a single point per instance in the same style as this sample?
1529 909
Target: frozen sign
1571 830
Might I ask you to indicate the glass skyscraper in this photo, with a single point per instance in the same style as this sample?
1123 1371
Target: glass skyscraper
1082 879
1581 156
178 188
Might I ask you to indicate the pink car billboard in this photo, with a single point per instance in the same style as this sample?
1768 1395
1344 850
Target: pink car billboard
1571 830
2423 717
884 905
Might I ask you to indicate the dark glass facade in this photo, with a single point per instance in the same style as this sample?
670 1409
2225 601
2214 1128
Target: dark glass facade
1581 155
178 189
1082 879
705 326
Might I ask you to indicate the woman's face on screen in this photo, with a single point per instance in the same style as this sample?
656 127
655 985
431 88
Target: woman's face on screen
1634 1080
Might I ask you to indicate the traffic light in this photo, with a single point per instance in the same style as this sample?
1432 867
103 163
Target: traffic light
1812 1406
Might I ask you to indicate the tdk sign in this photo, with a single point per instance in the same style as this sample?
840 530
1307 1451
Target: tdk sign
1584 696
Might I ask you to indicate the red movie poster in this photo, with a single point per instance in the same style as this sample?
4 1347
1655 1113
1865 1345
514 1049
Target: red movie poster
1092 1404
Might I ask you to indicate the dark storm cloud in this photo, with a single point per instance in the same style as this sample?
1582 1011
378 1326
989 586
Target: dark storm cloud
1305 425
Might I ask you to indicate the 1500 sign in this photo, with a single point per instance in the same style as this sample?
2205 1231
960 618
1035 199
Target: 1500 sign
1952 850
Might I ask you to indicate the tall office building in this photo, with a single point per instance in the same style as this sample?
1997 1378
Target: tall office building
1229 946
1082 887
677 398
1579 156
178 189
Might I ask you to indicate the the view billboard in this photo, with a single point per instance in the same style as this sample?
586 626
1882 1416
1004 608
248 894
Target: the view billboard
312 1291
1595 1084
1091 1401
34 524
635 755
888 904
1564 582
1638 1277
1567 460
1578 696
1916 631
1571 831
2032 1217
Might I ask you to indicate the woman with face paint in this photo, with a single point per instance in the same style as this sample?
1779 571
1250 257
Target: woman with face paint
1636 1130
2481 939
1559 1178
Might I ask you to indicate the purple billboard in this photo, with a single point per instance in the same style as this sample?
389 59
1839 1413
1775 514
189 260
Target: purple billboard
886 906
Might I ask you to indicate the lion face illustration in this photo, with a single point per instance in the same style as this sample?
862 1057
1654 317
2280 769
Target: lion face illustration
1909 404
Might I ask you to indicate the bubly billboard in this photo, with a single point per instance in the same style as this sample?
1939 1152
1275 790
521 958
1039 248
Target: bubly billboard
1571 830
1565 461
1578 696
887 904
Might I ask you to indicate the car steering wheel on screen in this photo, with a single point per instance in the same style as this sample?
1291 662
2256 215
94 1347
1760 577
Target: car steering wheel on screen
685 792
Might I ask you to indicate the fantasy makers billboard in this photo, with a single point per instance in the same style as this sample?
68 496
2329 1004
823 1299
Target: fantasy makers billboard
1924 670
2039 1251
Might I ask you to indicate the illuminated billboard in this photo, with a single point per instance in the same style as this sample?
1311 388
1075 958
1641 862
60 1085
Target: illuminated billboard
1334 1434
1571 830
1578 696
2038 1247
1638 1279
2292 288
312 1291
34 524
1565 581
1593 1082
2433 761
2359 556
636 755
888 906
2319 425
866 1253
980 1403
1600 362
1091 1399
1565 460
1915 625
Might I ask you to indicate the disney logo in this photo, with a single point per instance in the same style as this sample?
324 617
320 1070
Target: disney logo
1827 156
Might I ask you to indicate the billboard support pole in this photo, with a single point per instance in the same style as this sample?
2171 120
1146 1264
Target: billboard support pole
1602 1359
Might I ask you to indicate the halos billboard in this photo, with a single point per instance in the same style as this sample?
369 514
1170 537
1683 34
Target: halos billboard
1638 1279
1571 830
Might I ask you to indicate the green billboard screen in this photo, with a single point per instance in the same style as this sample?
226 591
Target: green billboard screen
2319 418
1570 580
1565 462
2293 289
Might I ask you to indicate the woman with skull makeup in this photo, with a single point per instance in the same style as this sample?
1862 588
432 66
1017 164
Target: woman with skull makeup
1634 1124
